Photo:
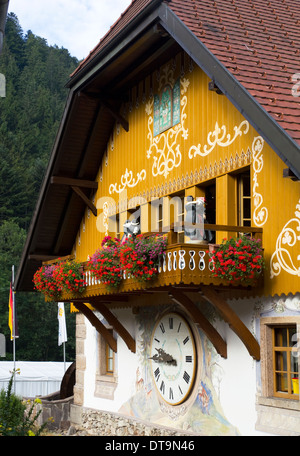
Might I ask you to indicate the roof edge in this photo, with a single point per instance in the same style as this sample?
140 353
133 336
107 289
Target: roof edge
80 72
272 132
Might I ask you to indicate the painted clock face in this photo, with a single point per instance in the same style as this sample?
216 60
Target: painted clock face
173 358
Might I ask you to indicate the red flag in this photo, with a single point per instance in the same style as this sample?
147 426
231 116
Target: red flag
12 316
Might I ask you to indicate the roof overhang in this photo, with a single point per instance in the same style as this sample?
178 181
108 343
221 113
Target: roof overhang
145 43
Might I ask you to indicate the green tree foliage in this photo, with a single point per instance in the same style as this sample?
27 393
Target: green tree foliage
16 417
30 114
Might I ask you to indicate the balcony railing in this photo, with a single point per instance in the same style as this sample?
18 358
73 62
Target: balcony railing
182 264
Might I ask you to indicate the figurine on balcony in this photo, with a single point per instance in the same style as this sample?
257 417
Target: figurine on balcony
195 214
131 228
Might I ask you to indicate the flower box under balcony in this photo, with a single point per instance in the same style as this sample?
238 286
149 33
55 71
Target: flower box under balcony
181 264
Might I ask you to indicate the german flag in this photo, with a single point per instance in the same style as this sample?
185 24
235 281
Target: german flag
12 316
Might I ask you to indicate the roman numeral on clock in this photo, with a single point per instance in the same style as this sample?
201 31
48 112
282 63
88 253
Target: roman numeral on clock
171 395
157 374
188 359
162 387
171 323
162 327
186 377
186 340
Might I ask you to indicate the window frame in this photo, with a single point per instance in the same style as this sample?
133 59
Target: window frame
283 370
267 325
105 382
109 356
242 197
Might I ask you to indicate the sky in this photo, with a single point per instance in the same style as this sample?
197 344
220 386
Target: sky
77 25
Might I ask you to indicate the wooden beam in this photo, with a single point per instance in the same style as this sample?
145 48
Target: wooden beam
102 299
42 257
117 326
116 115
212 334
233 320
287 172
89 314
76 182
85 199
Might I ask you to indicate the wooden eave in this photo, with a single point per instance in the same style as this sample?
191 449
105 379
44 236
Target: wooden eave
89 117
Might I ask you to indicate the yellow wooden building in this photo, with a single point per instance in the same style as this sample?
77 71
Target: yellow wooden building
182 101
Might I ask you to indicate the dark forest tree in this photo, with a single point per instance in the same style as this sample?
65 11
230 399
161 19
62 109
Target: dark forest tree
30 114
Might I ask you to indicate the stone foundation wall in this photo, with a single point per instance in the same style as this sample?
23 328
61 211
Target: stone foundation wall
55 411
101 423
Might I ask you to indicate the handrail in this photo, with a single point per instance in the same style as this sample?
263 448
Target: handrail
173 229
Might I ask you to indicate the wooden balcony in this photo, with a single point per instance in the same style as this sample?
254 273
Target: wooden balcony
185 265
184 270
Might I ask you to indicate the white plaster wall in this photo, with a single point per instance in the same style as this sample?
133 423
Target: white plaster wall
238 386
126 363
235 379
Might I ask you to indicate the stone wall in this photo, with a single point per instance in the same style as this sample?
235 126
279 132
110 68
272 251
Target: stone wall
55 411
101 423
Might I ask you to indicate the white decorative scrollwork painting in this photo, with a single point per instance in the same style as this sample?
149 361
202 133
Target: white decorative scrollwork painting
127 180
219 137
287 239
260 213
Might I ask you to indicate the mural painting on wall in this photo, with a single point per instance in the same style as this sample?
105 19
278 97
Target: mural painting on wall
203 413
166 122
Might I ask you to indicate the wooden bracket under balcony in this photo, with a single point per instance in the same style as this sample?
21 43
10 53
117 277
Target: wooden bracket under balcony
101 329
76 185
199 319
117 326
110 318
233 320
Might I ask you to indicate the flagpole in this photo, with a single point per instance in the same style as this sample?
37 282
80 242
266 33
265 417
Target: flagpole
64 344
62 329
14 324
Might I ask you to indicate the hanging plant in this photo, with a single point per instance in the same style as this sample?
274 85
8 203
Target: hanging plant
238 260
69 276
45 282
140 256
105 263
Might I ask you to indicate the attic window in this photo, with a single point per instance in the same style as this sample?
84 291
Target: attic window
166 108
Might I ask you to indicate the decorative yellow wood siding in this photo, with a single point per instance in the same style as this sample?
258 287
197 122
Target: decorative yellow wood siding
210 145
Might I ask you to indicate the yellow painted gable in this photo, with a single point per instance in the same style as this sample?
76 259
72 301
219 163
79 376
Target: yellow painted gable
211 146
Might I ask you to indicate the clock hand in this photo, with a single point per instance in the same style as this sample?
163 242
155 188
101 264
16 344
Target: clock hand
163 357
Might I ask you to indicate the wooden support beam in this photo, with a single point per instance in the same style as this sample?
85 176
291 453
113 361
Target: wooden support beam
85 199
233 320
117 326
41 257
287 172
101 298
76 182
116 115
89 314
76 185
212 334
